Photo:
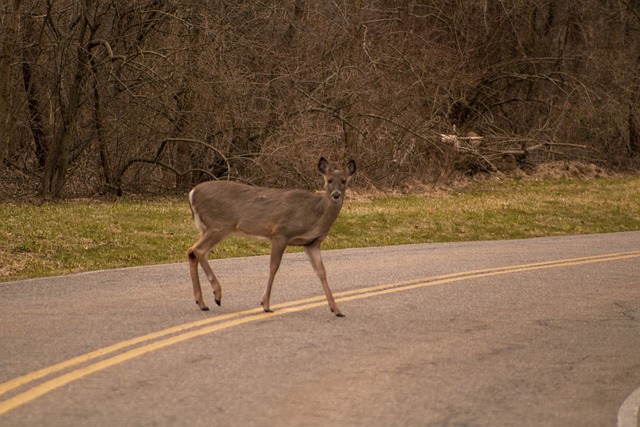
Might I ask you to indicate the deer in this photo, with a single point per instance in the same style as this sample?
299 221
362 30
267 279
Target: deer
287 217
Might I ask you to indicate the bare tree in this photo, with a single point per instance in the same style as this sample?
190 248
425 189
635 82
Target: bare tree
158 95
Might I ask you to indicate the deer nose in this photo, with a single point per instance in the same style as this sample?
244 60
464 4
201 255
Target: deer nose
336 195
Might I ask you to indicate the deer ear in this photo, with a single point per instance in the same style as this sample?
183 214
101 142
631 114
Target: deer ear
323 166
351 167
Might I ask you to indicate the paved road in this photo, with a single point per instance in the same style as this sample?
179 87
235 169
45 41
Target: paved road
526 332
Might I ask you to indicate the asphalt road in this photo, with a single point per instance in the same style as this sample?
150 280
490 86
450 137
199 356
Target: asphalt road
539 332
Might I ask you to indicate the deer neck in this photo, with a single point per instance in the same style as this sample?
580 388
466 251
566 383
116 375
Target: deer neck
330 209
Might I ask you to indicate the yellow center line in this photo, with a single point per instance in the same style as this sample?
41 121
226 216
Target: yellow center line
188 331
487 273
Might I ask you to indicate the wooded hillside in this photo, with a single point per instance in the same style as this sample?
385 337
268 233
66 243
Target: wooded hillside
154 96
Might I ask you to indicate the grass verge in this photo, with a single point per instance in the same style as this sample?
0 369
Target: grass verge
73 236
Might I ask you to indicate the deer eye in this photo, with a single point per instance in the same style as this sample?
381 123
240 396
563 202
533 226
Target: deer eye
330 181
344 181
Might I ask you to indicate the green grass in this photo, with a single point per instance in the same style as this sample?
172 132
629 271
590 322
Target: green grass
497 210
72 236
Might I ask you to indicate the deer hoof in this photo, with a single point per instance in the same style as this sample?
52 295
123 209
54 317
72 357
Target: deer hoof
267 310
218 302
340 315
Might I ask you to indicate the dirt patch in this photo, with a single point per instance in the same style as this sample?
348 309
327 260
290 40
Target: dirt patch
567 170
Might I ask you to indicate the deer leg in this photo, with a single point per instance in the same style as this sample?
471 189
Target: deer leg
277 249
198 255
215 284
195 280
313 251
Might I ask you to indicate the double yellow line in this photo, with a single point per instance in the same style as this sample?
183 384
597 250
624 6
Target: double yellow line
89 363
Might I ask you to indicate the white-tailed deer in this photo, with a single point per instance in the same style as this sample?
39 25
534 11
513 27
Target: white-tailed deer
286 217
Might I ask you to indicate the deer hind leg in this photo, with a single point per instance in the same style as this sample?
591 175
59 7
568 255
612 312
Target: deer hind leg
277 249
197 254
195 280
313 251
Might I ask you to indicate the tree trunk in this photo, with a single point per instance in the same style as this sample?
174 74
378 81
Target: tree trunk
634 129
59 155
36 122
9 40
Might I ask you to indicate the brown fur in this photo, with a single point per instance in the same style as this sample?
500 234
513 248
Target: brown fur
286 217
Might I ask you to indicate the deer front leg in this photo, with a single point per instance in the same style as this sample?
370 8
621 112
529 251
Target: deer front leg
277 249
313 251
